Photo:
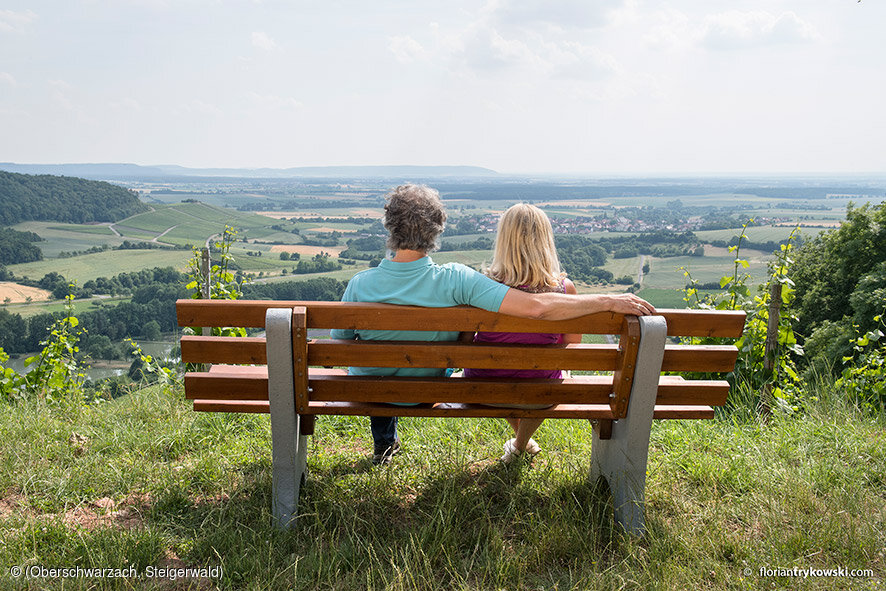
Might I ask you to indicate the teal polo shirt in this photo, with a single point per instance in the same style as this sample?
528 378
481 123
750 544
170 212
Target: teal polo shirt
417 283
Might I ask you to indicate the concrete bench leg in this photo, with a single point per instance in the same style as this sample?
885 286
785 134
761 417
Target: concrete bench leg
621 460
289 447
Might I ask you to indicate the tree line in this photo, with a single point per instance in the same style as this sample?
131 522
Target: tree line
19 247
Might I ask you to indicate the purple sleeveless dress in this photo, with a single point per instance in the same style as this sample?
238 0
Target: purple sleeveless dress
528 338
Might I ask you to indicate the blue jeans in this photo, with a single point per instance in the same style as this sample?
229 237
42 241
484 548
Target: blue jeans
384 432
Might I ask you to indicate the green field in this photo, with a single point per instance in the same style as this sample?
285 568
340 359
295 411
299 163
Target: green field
59 306
621 267
666 273
754 233
193 223
69 237
103 264
100 229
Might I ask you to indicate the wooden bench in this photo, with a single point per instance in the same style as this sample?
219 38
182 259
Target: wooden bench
287 374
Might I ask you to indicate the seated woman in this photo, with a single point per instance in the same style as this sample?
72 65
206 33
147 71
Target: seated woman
525 258
414 218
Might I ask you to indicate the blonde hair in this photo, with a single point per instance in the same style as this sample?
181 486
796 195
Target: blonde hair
525 254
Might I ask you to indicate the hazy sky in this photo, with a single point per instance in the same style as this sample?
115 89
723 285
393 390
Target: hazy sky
585 86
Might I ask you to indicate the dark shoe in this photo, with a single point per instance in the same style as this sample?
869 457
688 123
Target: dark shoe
382 457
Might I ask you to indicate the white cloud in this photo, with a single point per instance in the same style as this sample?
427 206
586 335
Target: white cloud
561 13
127 104
8 78
582 62
263 41
273 101
406 49
735 29
10 20
60 90
669 28
198 107
488 49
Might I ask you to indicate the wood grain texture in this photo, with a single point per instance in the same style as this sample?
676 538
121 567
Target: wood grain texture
358 316
226 384
461 355
251 350
563 411
227 350
300 357
625 365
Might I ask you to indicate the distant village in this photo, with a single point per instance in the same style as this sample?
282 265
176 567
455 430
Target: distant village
622 222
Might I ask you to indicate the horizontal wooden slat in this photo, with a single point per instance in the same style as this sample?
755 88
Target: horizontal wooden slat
200 349
663 411
226 385
584 389
577 411
700 358
704 323
458 355
251 383
214 405
563 411
358 316
673 390
251 350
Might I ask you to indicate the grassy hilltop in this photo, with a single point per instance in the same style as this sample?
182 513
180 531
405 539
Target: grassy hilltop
142 480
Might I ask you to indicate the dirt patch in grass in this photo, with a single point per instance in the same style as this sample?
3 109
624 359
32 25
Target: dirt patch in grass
106 512
13 503
19 294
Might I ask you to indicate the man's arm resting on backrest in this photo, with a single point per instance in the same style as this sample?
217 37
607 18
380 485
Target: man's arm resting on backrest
562 306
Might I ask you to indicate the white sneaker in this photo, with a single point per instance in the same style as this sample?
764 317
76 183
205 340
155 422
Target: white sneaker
532 447
511 453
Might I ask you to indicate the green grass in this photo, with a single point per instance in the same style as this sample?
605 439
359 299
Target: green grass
143 480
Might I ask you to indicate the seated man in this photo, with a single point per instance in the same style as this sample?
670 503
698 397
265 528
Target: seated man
414 219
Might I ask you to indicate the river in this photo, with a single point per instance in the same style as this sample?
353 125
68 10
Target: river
102 368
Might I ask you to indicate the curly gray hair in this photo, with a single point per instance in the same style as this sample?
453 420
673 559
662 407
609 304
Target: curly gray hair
414 218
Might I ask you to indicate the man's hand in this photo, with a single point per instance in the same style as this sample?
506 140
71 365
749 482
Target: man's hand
628 303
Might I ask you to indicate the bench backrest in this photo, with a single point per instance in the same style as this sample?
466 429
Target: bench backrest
231 386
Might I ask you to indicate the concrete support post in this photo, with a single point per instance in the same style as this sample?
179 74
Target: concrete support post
621 460
289 447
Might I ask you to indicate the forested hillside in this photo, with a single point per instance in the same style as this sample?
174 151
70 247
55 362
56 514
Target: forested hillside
64 199
18 247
